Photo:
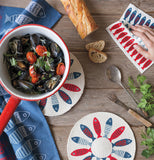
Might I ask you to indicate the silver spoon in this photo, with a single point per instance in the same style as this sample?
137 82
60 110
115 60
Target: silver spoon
114 75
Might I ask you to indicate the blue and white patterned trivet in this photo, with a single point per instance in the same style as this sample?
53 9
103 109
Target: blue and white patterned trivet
68 95
101 136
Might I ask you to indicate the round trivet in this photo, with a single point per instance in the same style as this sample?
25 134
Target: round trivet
69 94
101 136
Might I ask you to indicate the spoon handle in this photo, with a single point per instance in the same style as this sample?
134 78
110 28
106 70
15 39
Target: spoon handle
130 94
135 100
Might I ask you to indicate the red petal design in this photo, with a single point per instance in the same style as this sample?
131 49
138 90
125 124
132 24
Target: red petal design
111 158
71 87
80 152
117 133
97 127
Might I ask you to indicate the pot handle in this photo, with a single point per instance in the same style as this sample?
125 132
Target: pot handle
8 112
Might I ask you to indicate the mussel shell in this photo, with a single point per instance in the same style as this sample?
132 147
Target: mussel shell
24 75
55 49
15 46
44 41
34 40
52 83
25 85
21 65
25 39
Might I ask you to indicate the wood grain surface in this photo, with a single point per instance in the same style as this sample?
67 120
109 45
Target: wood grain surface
97 87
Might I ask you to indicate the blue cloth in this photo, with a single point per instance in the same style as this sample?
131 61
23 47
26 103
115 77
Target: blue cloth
37 12
27 135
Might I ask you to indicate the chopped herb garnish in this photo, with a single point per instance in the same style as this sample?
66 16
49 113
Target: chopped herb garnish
50 75
48 54
19 73
13 62
51 60
47 66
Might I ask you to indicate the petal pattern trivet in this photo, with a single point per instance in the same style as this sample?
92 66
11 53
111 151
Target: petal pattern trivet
101 136
69 94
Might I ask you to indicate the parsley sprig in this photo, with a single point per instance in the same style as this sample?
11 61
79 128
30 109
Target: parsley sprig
44 62
147 99
149 142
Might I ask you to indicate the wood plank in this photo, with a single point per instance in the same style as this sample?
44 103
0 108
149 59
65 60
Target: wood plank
96 100
61 136
96 73
95 7
68 32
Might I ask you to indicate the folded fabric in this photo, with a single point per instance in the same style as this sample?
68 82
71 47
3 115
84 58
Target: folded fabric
27 135
121 33
37 12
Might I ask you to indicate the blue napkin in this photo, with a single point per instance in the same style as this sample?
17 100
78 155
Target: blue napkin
37 12
27 135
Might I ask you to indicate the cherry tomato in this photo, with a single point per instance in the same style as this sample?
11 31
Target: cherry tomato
41 50
32 71
31 57
60 69
35 79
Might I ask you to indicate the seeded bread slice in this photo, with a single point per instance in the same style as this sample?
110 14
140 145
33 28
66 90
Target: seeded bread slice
99 45
97 56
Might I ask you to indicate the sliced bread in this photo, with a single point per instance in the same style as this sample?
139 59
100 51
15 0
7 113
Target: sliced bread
99 45
97 56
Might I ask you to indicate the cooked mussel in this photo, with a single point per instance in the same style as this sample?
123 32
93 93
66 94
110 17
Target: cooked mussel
44 41
21 65
52 83
24 85
34 40
55 49
15 46
25 39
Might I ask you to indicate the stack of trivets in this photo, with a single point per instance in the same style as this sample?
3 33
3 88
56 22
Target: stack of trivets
121 34
101 136
68 95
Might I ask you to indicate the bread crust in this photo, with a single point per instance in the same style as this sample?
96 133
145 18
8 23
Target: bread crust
97 56
80 16
99 45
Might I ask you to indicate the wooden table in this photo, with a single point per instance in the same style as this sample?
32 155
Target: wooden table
97 87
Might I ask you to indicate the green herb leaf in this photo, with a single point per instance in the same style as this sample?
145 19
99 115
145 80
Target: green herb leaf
149 142
131 85
47 66
143 135
147 99
43 78
146 153
40 62
13 62
19 73
50 75
147 96
142 103
141 79
145 88
48 54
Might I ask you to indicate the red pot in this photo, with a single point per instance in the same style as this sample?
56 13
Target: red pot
17 96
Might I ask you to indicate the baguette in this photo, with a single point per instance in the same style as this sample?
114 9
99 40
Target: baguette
99 45
97 56
80 16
